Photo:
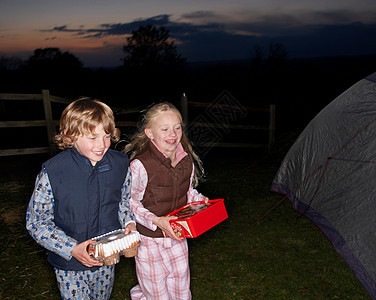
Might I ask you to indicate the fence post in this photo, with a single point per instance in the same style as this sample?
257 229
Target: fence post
51 131
184 108
271 126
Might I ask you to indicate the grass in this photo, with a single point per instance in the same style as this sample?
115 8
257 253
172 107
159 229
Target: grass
283 256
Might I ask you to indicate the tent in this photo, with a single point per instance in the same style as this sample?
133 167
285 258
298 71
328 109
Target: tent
329 175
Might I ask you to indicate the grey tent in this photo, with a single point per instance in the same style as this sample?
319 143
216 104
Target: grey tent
329 175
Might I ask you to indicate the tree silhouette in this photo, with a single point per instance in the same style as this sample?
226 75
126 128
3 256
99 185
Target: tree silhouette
12 63
151 60
11 77
270 59
151 49
269 65
50 68
53 60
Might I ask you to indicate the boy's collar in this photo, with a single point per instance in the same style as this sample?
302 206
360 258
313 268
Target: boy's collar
102 165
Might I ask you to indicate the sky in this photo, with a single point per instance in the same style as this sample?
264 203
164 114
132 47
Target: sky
203 30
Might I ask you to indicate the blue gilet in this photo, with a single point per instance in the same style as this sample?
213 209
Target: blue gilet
86 198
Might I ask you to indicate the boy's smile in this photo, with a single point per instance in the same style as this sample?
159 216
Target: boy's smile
94 146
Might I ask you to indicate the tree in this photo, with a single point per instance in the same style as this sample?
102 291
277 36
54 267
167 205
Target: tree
151 59
271 59
53 60
266 66
49 68
150 48
12 63
11 77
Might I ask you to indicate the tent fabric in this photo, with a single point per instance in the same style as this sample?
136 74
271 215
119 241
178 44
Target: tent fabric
329 175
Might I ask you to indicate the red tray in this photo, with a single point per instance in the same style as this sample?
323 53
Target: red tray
195 218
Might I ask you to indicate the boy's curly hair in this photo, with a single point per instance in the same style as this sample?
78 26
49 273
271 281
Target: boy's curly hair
81 117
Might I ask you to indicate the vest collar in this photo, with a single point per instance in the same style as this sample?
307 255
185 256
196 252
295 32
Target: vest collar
180 153
84 163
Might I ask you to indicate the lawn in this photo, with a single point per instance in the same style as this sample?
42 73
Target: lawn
283 256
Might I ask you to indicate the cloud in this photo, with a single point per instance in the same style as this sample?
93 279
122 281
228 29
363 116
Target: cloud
245 23
114 28
205 35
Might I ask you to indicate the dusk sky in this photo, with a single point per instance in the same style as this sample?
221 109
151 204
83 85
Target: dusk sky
203 30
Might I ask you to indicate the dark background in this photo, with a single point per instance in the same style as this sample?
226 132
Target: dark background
299 88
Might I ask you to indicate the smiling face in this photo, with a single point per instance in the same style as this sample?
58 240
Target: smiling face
166 131
94 145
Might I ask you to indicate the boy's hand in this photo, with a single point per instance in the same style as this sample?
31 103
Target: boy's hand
80 253
164 224
130 227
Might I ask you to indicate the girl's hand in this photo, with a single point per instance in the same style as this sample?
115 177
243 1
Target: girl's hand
130 227
80 253
164 224
206 199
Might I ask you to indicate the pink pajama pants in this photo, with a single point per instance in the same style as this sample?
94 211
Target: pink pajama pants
162 270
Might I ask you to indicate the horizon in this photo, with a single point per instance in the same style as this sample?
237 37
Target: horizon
95 32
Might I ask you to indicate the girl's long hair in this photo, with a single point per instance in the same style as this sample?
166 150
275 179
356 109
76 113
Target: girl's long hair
139 140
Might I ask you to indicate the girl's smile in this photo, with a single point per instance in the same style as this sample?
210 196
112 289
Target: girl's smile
166 132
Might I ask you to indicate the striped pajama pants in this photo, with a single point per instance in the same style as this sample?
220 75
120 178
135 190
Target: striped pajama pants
162 270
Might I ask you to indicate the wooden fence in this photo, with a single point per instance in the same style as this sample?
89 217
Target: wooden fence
48 121
226 106
51 124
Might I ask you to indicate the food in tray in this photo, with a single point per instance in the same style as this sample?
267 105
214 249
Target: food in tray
110 246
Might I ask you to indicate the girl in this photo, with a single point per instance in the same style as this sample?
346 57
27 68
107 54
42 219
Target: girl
163 180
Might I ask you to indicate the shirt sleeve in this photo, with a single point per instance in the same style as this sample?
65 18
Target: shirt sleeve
40 220
125 214
139 182
192 194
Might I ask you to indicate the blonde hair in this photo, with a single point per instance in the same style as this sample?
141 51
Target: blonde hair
81 117
139 140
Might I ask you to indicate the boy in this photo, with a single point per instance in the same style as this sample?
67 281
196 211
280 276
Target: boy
81 193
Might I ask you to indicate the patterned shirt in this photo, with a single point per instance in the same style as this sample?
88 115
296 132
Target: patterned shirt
40 216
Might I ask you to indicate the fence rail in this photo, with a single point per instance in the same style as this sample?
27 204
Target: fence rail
48 121
226 104
51 124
